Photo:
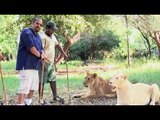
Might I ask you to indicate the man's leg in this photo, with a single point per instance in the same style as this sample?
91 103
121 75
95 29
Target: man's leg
28 101
21 99
54 89
34 78
30 95
52 80
52 77
24 87
54 92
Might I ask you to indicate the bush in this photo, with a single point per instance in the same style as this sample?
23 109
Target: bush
93 47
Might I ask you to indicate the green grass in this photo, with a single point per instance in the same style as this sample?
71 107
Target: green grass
74 81
141 71
71 64
11 84
11 65
146 73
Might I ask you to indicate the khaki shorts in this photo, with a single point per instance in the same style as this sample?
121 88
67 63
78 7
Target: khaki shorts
49 73
29 80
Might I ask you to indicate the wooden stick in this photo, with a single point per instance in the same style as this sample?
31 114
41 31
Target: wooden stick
3 86
68 82
41 83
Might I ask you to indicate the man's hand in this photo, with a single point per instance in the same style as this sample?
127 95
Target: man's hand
44 56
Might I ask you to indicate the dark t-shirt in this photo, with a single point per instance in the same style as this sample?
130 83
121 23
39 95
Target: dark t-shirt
25 59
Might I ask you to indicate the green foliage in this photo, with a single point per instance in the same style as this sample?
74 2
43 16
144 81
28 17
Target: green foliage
71 23
8 34
117 25
97 24
121 51
98 32
106 41
146 25
8 65
68 24
83 45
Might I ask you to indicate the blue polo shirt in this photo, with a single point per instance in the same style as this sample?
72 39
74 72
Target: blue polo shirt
25 59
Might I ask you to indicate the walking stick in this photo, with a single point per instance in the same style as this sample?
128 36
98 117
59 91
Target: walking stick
41 82
3 85
68 82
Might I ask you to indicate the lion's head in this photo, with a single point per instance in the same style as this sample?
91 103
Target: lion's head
117 81
89 79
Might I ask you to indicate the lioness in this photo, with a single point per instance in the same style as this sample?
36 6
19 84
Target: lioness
98 87
134 94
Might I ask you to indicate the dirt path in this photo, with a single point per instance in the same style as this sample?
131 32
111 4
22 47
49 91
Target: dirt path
84 69
81 69
73 101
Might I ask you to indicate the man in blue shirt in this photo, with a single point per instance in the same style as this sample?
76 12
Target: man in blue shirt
30 52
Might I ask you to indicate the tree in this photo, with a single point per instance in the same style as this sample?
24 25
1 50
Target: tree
128 45
98 25
147 25
8 37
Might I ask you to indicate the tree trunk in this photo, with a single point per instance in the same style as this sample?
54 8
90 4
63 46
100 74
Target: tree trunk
148 46
128 45
93 50
157 39
60 57
149 49
69 42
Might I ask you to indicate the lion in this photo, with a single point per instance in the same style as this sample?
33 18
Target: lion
134 94
98 87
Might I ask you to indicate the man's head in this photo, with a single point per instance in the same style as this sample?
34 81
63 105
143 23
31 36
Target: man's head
50 28
37 24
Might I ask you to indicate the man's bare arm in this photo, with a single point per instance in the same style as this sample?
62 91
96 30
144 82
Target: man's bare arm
34 51
62 51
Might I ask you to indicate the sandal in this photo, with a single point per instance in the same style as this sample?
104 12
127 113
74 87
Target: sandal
59 99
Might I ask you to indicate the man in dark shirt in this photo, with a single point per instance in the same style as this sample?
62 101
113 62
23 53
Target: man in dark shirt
30 52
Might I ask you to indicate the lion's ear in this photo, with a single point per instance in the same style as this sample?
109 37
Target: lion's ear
94 75
125 76
88 73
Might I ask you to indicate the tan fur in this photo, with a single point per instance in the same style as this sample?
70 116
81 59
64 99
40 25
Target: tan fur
98 87
134 94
